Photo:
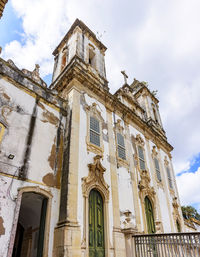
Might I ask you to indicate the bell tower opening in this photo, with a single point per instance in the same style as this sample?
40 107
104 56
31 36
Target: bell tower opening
92 58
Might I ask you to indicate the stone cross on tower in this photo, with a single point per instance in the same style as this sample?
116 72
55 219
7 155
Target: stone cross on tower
125 76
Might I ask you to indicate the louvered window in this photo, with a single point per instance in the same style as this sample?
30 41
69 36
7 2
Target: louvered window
157 167
169 178
94 131
141 158
121 146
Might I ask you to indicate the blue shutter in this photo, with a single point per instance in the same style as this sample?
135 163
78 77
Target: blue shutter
94 131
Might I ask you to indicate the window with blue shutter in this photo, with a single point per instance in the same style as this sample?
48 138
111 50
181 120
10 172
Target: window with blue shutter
121 146
157 167
94 131
169 178
141 158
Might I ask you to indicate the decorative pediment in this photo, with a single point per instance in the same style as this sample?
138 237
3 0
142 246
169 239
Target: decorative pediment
92 109
176 213
118 127
166 161
95 178
139 140
154 153
175 203
144 186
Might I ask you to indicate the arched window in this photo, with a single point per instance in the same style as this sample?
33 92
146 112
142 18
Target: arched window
141 158
94 131
149 216
121 146
157 168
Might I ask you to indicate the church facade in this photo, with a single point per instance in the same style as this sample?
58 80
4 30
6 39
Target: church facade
81 169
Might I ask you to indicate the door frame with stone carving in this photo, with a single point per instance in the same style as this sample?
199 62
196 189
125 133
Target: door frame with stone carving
48 196
95 180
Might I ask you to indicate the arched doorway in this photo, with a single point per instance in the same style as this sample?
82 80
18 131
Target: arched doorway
96 225
29 238
149 216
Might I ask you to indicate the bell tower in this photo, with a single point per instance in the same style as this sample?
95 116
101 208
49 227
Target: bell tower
80 45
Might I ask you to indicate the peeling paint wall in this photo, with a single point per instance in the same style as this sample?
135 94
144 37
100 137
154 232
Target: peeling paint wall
31 147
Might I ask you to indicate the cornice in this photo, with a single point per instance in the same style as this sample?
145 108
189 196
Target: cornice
23 82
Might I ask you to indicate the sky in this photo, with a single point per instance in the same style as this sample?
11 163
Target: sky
154 41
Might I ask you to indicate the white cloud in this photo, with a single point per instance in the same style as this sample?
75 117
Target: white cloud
188 185
44 24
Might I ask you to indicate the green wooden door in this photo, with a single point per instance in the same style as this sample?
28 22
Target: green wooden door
96 225
149 216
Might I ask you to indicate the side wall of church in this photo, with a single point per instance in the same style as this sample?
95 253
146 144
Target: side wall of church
30 131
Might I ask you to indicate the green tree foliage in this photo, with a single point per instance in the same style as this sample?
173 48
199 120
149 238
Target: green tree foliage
190 212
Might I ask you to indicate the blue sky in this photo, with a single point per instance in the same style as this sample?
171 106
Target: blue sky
157 42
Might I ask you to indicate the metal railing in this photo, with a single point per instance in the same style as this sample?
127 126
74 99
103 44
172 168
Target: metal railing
167 245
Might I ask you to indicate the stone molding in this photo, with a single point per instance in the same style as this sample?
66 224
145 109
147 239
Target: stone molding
95 179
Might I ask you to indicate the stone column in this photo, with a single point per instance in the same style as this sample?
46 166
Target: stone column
67 236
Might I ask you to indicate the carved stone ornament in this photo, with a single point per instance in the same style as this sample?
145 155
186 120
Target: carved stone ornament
144 186
175 213
139 140
159 227
154 153
166 161
95 179
118 127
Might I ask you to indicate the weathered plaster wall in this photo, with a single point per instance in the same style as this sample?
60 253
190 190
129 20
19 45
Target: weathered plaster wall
33 134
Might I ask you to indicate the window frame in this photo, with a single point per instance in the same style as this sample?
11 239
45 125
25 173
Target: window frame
119 146
92 111
158 171
119 129
140 159
169 178
94 131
